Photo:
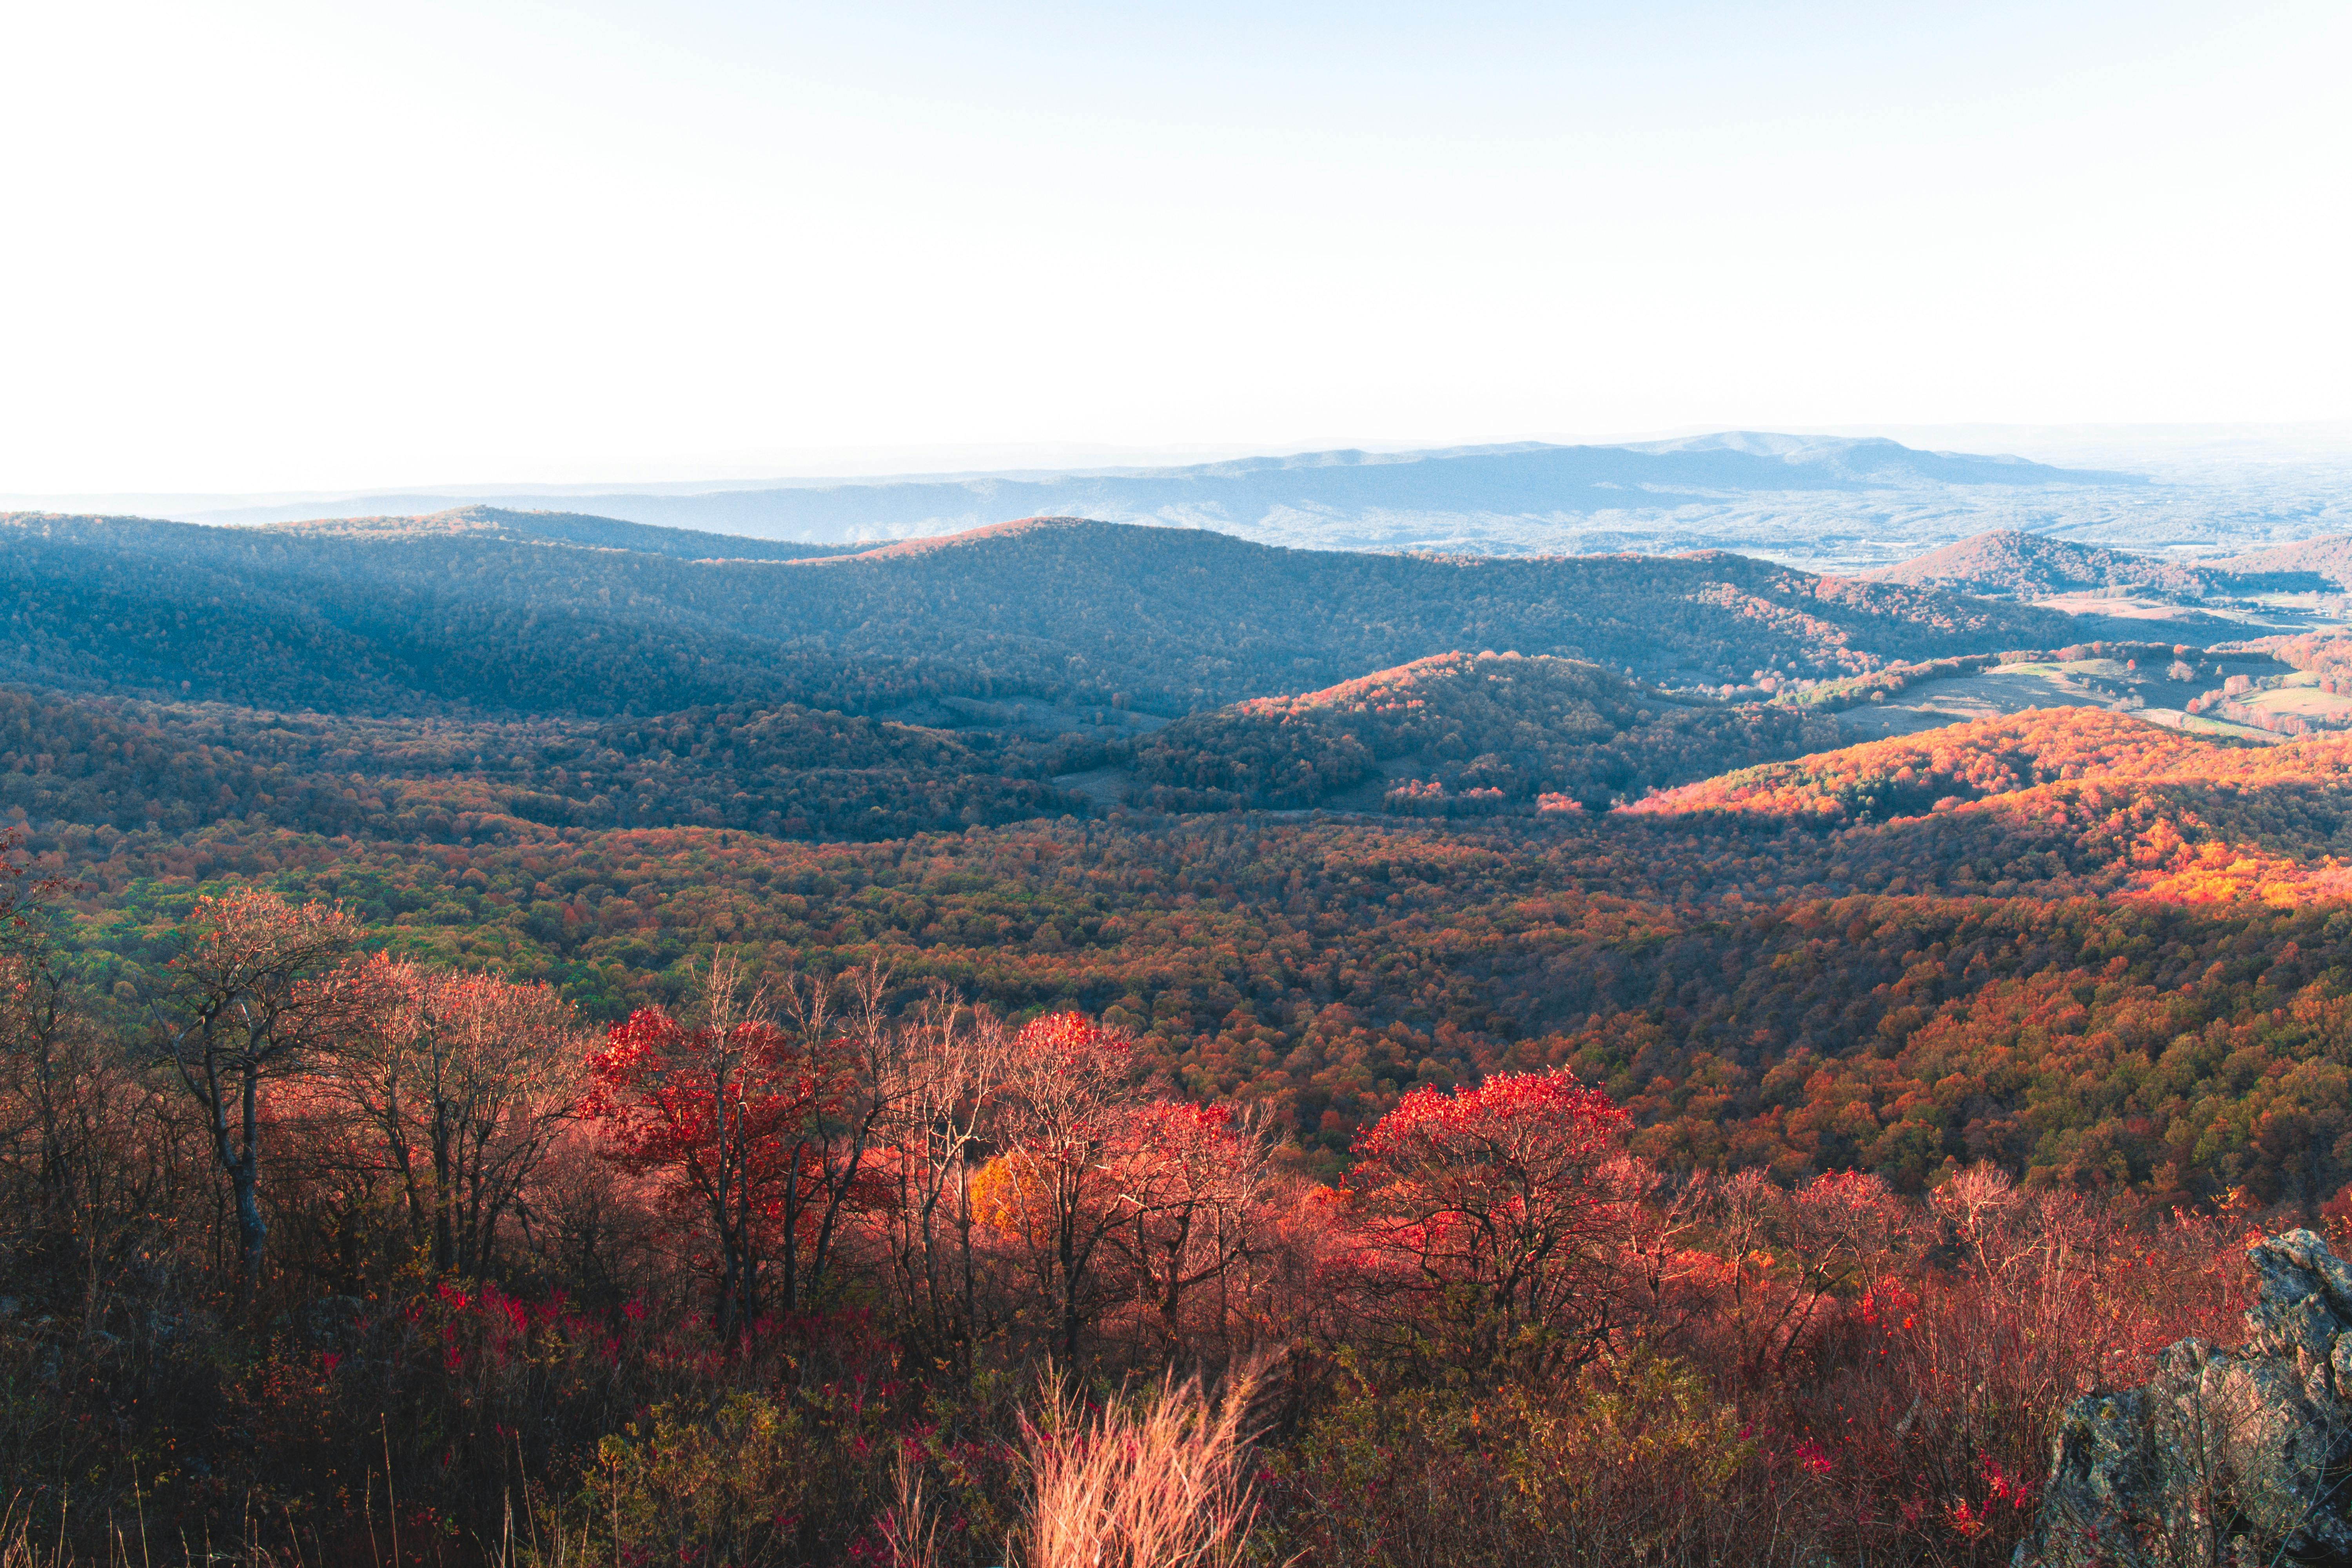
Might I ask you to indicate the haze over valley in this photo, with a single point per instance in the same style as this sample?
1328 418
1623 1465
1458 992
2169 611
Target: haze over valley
1212 786
1825 502
1770 885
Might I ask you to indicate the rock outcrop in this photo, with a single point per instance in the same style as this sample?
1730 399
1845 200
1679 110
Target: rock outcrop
2231 1457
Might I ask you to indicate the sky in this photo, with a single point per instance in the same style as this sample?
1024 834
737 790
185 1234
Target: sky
252 246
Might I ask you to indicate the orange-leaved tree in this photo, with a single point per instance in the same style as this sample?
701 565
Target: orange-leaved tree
1496 1218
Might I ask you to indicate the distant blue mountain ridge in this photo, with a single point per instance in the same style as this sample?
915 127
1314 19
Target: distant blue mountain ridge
1251 495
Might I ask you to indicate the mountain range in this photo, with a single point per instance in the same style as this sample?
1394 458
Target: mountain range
1268 859
508 612
1334 497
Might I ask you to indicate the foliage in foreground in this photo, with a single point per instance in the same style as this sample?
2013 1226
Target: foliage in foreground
806 1276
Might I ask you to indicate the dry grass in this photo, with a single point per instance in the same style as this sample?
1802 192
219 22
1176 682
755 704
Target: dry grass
1158 1482
909 1527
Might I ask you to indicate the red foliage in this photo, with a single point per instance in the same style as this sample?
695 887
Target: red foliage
1512 1200
1056 1192
731 1117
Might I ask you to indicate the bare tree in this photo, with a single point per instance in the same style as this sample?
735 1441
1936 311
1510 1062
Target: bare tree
847 1042
1791 1251
467 1080
260 989
1069 1095
1190 1179
945 1070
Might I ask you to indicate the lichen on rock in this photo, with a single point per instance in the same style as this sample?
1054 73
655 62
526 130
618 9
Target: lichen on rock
2225 1456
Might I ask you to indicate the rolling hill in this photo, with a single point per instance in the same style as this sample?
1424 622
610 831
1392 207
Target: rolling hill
1456 734
2012 564
1912 776
2328 559
490 614
502 523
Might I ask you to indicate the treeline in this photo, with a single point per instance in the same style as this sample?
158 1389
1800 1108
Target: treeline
1328 968
1913 774
2326 653
96 763
1466 730
317 1252
2224 704
1852 691
1169 620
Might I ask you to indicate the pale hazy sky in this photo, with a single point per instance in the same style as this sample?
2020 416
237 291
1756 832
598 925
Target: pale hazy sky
253 246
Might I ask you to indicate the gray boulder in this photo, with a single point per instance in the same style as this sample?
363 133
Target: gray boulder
2226 1456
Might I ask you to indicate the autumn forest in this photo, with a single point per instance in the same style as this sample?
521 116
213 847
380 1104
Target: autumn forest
530 1040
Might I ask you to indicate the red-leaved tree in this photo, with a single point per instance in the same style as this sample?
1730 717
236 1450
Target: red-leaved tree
756 1133
1494 1217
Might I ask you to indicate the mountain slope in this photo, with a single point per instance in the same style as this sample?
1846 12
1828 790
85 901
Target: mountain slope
384 621
1169 620
2328 559
1909 775
1457 732
2010 563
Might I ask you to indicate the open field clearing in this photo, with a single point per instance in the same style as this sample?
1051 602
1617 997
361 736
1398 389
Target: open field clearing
2075 683
2300 694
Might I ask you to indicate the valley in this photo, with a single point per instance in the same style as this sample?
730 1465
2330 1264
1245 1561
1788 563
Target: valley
1175 786
1786 890
1073 768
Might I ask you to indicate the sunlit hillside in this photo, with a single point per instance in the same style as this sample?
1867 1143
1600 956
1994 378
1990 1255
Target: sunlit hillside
1461 733
969 953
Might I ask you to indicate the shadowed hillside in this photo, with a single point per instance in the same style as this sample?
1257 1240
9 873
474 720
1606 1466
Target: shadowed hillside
497 612
1249 620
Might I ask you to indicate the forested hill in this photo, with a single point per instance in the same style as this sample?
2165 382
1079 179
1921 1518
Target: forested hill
1461 733
1169 620
2329 559
491 522
1227 619
2032 566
